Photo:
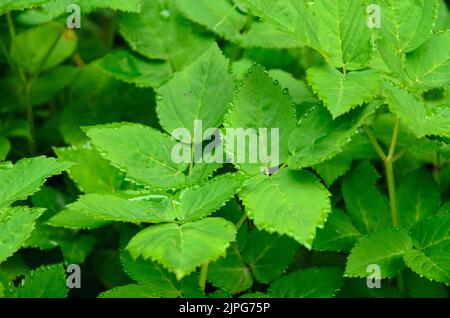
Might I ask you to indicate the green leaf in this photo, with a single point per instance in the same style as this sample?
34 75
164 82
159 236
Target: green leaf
151 275
429 65
332 169
182 248
76 249
218 16
231 272
405 25
44 282
343 92
385 249
202 200
190 94
422 120
418 198
90 163
367 206
260 104
318 137
430 256
26 177
314 282
16 225
160 32
129 68
144 153
111 208
75 220
290 202
339 234
262 35
11 5
43 47
131 291
268 255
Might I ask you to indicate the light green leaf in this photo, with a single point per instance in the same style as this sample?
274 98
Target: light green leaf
160 32
332 169
429 65
339 234
385 249
90 163
151 275
144 153
342 92
367 206
421 119
182 248
407 24
202 200
314 282
431 254
231 272
218 16
26 177
75 220
418 198
16 225
318 137
31 47
11 5
44 282
262 35
131 69
290 202
190 94
111 208
260 104
131 291
268 255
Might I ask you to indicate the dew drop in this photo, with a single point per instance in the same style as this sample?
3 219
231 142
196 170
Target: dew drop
250 71
245 75
275 82
165 14
255 63
285 91
241 83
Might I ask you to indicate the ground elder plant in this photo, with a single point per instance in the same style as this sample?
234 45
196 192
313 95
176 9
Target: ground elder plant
224 148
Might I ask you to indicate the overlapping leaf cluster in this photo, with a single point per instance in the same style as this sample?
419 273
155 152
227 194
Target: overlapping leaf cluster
364 125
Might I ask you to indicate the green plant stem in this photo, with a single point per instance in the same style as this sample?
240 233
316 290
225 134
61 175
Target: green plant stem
203 276
30 119
375 143
389 164
241 221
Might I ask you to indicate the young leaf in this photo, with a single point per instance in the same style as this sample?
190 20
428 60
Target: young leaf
318 137
26 177
385 249
290 202
44 282
343 92
182 248
339 234
16 225
431 254
131 69
144 153
314 282
367 207
11 5
89 162
407 24
261 104
231 272
160 32
268 255
111 208
190 94
421 120
418 198
201 201
43 47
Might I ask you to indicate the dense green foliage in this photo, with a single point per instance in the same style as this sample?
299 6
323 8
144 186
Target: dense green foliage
87 174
